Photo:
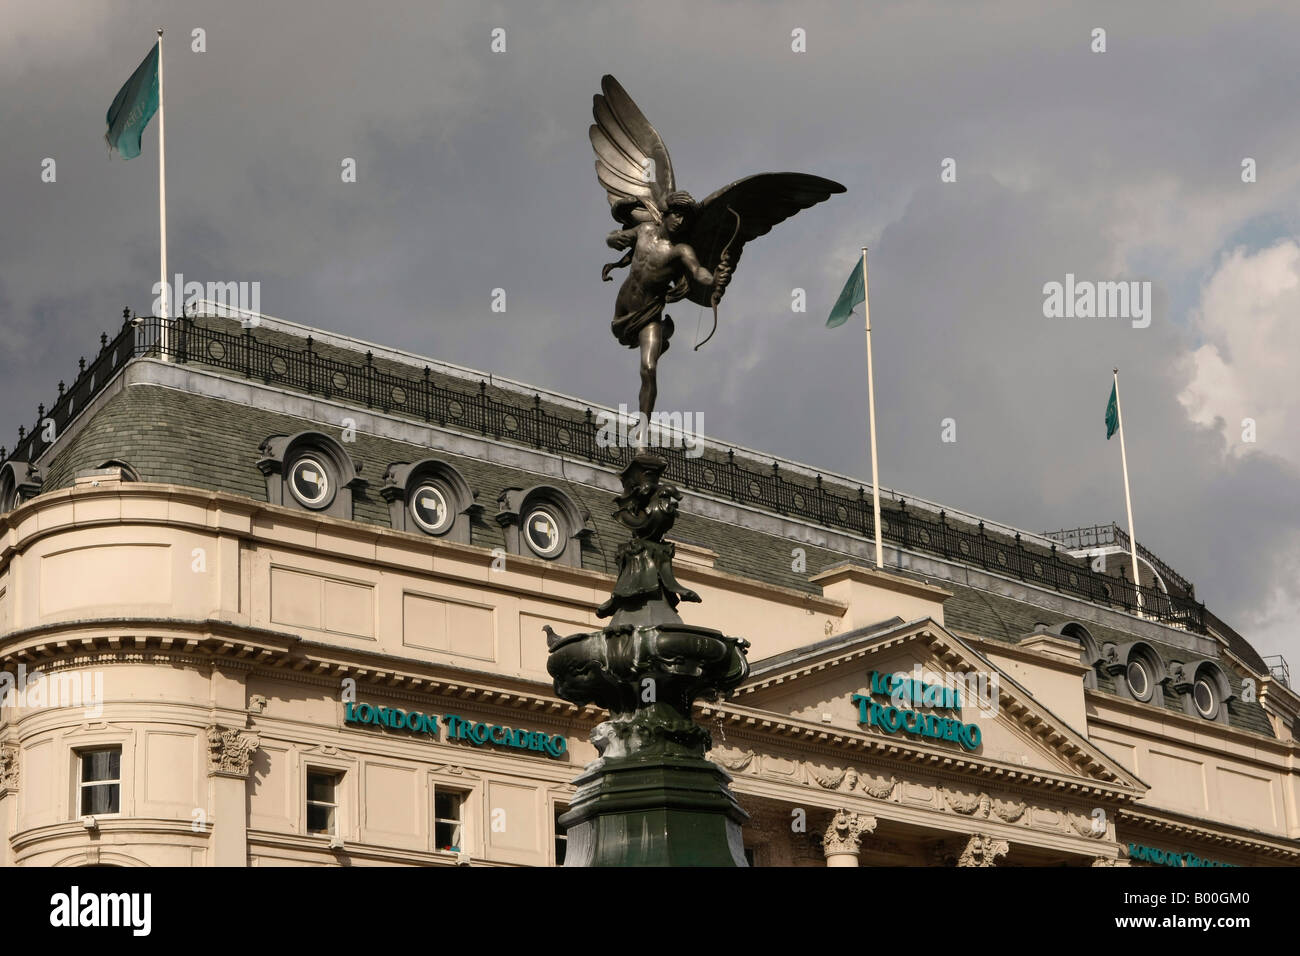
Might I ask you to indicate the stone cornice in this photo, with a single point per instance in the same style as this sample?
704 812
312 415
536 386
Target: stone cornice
25 839
1061 824
223 643
267 839
886 579
1218 835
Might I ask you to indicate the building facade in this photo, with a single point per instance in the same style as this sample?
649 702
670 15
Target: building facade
272 596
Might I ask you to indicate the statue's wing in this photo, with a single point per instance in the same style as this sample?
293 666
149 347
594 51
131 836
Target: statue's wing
761 202
627 149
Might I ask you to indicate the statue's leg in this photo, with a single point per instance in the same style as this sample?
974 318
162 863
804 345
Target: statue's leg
651 345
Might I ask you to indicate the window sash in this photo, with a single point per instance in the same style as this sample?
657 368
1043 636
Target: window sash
99 781
322 814
448 820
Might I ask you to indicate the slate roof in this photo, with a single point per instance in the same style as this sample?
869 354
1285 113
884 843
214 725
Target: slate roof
176 437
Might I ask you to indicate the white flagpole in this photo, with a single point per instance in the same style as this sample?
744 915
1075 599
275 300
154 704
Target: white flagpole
162 202
1128 501
871 412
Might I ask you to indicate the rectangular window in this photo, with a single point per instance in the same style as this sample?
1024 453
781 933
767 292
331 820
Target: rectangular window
561 837
100 780
448 820
322 801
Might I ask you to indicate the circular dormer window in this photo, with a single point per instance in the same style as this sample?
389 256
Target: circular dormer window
429 508
309 481
543 533
1139 679
1206 696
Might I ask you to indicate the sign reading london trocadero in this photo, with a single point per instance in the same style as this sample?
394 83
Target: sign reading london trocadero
477 733
1150 854
901 712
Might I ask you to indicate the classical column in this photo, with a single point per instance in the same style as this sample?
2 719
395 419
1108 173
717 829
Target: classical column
842 837
230 754
983 850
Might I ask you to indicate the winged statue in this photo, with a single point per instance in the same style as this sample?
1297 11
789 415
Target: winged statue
676 248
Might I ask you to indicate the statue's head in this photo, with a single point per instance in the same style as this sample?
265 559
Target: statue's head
679 211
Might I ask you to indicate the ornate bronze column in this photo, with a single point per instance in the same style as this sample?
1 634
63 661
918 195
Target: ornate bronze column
651 799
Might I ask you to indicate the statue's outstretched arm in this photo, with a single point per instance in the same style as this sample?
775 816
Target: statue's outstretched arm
621 238
692 263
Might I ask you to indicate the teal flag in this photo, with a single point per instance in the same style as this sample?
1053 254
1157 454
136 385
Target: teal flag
133 107
1112 414
853 293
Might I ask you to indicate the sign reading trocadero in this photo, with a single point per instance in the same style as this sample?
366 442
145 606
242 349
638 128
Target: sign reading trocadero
478 733
899 713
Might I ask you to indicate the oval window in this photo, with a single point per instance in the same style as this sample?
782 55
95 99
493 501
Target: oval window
429 508
1139 680
1207 698
542 532
309 482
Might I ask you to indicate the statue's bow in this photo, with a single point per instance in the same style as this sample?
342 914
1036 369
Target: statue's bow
723 260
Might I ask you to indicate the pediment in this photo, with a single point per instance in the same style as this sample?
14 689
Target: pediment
930 691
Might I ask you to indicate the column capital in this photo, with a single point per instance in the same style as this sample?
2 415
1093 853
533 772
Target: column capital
230 751
983 850
8 769
844 834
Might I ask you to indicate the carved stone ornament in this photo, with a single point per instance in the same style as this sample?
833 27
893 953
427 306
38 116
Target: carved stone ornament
230 752
882 788
1104 861
8 768
833 779
845 831
969 804
983 850
454 770
733 759
849 779
1086 826
1009 810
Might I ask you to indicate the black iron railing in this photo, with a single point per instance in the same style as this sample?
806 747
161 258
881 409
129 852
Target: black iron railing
1278 669
1169 574
568 432
1103 535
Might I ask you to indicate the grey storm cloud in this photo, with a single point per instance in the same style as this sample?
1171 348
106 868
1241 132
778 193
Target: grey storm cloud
474 173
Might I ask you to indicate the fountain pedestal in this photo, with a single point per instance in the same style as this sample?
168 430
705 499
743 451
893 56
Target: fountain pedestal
651 799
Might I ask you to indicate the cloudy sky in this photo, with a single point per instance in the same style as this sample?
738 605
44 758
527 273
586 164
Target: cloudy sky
474 173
